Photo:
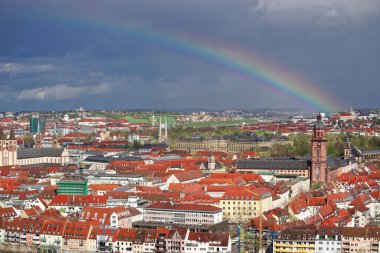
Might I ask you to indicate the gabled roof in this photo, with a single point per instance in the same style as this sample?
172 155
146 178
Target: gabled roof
189 175
214 239
76 230
53 226
126 234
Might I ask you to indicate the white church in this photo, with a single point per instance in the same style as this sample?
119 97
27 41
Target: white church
11 155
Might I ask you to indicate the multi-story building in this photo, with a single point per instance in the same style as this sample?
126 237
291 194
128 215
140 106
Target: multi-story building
72 185
37 124
144 241
360 239
51 233
100 162
176 240
198 242
328 240
124 240
194 145
75 203
296 239
186 214
242 205
76 235
121 179
112 217
279 166
102 239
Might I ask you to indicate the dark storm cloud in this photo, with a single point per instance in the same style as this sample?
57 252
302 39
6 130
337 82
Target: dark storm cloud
50 47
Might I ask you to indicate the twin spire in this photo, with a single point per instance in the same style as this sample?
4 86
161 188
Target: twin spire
12 135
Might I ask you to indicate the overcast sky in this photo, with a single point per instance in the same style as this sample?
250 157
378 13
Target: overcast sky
58 55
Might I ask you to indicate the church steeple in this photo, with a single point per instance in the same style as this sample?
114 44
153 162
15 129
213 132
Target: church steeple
347 147
12 135
55 136
319 152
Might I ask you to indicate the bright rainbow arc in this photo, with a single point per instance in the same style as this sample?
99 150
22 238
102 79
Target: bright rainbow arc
244 64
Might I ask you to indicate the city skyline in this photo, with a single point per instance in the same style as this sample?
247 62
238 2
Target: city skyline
170 54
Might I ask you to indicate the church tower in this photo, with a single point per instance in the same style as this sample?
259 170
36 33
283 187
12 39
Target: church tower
319 152
55 136
347 148
8 149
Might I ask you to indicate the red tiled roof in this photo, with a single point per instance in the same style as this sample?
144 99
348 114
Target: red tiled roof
189 175
73 200
76 230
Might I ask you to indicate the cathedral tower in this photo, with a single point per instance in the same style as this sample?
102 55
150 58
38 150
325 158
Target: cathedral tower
8 149
319 152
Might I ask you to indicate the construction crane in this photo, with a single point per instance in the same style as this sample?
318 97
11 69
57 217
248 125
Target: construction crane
261 249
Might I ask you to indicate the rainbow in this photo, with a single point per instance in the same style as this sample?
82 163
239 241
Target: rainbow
246 65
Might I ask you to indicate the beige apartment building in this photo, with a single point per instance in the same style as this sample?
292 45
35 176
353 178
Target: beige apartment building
360 239
240 206
297 239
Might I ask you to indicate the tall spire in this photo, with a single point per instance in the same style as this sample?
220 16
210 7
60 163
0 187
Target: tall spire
54 127
166 130
159 131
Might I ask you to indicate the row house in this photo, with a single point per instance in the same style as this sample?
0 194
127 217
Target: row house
327 239
144 241
114 217
69 235
102 239
75 203
198 242
75 236
176 240
361 240
296 239
22 231
124 240
51 233
8 213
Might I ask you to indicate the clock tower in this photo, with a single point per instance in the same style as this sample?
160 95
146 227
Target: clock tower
319 152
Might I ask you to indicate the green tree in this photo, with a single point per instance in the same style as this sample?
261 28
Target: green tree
28 141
